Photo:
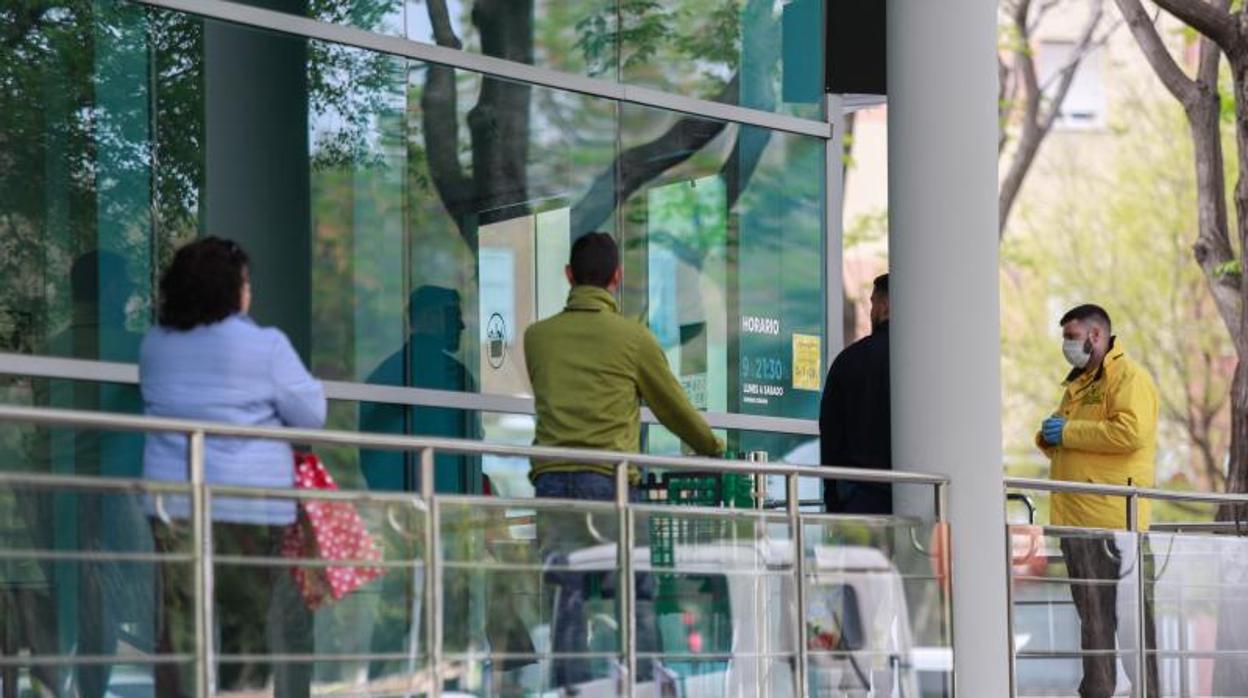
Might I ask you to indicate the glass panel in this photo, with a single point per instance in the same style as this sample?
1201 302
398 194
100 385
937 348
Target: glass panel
877 599
1198 584
530 594
276 592
405 221
717 250
756 53
77 243
132 678
573 36
78 578
1074 597
508 475
716 609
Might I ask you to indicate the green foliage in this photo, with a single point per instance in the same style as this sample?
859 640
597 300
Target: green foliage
1233 268
646 26
871 227
668 43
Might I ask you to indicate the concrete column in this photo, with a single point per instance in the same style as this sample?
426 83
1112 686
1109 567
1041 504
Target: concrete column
946 384
257 190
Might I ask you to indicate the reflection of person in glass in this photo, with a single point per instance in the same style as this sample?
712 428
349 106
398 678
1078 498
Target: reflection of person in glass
1104 431
428 359
854 427
114 593
208 360
589 368
109 593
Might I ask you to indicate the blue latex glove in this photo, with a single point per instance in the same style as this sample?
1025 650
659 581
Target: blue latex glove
1051 430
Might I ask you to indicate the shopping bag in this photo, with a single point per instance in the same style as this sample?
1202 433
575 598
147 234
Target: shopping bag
327 530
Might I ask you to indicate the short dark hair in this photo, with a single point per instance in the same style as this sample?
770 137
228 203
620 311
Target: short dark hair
1088 311
203 284
93 268
880 285
595 258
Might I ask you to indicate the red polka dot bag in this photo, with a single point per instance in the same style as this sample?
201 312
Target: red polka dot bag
327 530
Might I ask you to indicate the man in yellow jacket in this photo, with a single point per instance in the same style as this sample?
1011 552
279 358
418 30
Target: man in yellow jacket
1104 432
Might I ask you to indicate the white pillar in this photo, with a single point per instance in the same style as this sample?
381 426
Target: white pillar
945 328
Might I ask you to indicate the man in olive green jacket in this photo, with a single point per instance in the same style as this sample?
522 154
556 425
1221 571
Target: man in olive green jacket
590 367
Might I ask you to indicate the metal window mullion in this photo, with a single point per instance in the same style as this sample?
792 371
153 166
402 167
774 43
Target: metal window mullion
833 235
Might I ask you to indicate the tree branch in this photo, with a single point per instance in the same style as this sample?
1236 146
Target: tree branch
1199 98
1155 52
443 32
1037 123
440 123
1067 73
1208 19
641 163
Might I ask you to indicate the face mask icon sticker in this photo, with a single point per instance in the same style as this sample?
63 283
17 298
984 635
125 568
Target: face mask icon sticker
496 340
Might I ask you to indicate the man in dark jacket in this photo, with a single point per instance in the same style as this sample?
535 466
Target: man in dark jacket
854 416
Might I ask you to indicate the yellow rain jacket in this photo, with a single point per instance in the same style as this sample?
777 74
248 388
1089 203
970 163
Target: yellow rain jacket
1110 436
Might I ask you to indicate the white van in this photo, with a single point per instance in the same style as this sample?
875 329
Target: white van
724 615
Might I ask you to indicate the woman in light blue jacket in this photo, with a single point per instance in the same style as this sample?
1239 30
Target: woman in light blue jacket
208 360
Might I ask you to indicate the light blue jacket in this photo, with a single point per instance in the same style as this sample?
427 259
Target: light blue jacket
236 372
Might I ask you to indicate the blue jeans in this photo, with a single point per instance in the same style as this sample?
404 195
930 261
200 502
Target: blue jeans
557 539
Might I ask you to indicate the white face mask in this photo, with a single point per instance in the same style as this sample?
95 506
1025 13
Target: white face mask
1077 351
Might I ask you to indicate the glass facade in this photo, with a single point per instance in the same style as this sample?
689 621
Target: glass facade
759 54
407 220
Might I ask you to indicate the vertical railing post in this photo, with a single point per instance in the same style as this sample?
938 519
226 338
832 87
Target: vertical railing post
945 535
792 504
201 555
626 586
1184 658
1141 657
1009 595
433 572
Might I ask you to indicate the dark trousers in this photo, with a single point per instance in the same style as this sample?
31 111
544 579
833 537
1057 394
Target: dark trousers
557 539
1089 561
257 610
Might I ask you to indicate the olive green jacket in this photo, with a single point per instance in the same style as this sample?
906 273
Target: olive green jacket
590 368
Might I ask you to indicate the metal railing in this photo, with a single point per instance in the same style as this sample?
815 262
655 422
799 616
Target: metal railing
202 554
1132 497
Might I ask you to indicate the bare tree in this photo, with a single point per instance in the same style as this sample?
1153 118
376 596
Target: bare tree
1223 32
1029 105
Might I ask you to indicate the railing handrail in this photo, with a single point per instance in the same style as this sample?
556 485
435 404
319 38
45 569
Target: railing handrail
51 416
1042 485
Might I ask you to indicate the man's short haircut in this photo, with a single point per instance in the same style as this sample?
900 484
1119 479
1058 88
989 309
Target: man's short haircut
1088 313
595 257
880 285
